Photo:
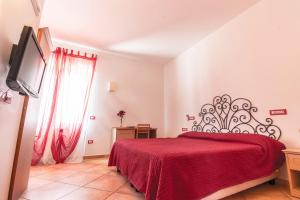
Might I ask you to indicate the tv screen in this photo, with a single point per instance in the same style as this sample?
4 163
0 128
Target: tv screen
27 65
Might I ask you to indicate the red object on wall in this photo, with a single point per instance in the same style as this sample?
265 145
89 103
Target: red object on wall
92 117
190 117
184 129
90 141
278 112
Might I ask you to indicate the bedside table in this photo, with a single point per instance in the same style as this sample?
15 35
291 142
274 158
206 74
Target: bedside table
293 167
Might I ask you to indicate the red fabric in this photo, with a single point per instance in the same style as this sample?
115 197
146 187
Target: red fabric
66 87
46 115
195 165
76 75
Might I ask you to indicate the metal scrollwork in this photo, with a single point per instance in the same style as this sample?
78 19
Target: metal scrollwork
225 115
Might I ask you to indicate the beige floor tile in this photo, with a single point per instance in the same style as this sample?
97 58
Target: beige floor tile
266 192
238 196
113 172
108 183
80 166
102 182
293 198
87 194
102 161
120 196
57 166
57 174
265 197
35 183
97 170
80 178
127 189
39 170
50 191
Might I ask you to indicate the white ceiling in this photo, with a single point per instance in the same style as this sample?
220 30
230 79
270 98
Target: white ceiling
151 29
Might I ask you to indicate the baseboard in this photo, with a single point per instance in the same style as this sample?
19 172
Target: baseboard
95 156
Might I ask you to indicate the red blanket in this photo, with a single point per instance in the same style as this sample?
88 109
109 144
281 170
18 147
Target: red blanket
195 165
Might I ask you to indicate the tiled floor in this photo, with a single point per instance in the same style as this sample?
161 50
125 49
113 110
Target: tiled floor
93 180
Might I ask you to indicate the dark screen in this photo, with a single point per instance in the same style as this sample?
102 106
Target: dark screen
32 67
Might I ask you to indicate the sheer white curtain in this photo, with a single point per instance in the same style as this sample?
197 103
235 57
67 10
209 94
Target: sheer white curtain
61 130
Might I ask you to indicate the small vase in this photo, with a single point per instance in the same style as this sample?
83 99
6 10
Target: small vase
121 122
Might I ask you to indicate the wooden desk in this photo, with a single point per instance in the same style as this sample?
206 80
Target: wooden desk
119 133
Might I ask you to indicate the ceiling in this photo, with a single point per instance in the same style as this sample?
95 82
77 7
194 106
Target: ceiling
157 30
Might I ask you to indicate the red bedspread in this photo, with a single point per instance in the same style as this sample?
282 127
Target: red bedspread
195 165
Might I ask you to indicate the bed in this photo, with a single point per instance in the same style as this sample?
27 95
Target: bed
217 158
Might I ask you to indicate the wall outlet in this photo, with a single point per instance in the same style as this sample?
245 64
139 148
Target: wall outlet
92 117
184 129
90 141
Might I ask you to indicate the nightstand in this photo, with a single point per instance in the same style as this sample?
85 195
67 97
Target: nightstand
293 168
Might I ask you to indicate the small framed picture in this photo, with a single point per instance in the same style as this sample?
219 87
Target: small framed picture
36 4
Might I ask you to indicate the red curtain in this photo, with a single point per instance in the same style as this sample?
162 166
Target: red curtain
63 117
47 109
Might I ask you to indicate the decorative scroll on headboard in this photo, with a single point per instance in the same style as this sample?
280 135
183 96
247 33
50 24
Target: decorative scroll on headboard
225 115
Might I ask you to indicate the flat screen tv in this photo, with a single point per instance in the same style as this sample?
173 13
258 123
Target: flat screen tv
27 65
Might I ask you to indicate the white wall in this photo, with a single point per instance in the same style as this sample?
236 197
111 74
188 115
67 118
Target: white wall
139 92
14 14
256 56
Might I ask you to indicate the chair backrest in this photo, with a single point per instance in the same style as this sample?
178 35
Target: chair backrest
143 128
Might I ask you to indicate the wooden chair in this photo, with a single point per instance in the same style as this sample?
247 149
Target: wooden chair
142 129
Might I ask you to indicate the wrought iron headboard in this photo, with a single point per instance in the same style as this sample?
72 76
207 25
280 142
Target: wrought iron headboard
225 115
